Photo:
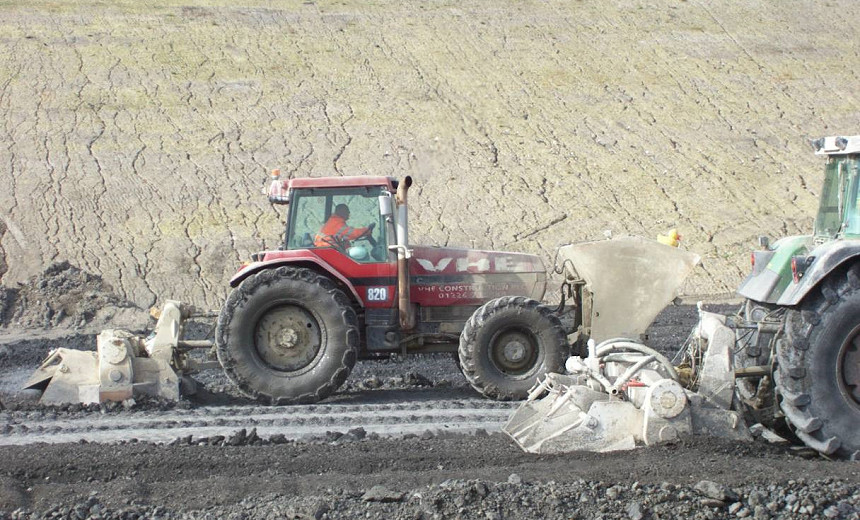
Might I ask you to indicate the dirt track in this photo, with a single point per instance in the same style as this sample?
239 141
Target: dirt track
136 140
412 426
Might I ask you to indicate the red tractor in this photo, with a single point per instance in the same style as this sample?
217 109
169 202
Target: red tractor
346 284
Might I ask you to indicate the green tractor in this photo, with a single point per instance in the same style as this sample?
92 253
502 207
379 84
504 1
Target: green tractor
799 346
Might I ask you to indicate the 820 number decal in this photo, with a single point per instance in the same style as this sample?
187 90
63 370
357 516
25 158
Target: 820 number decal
377 294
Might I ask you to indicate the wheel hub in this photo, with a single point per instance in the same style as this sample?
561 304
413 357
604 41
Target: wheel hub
849 368
288 338
513 351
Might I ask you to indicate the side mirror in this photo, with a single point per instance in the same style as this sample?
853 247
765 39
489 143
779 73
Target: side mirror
386 207
764 242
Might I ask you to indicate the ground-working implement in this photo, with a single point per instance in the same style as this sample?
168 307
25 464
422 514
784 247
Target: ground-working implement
790 359
624 393
124 365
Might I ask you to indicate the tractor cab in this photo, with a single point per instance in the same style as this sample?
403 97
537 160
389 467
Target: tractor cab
342 214
838 211
361 236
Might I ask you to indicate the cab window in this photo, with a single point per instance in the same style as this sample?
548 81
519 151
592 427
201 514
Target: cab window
317 221
852 207
837 211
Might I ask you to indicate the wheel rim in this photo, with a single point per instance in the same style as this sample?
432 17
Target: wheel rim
848 367
288 338
514 351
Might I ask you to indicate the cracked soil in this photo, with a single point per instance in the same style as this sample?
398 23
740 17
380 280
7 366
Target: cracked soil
135 139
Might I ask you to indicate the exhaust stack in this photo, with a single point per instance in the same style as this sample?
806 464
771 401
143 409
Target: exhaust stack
407 317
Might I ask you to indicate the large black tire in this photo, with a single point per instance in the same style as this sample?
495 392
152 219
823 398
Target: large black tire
286 336
508 344
818 367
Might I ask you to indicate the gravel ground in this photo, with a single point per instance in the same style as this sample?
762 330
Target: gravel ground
349 472
480 477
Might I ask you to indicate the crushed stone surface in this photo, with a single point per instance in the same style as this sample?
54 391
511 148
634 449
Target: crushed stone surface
475 477
345 471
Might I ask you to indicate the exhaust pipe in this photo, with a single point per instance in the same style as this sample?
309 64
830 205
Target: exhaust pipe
407 317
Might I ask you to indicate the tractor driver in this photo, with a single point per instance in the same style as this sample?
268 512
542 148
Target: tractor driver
335 232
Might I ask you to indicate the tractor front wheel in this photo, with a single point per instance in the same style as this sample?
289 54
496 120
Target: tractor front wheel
508 344
818 367
287 335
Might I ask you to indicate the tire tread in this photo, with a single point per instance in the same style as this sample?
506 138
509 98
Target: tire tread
794 378
245 291
469 352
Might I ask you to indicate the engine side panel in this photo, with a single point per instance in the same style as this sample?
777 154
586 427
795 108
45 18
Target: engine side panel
448 276
438 276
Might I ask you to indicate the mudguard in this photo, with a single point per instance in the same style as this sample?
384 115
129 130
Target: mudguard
771 272
828 257
297 259
768 286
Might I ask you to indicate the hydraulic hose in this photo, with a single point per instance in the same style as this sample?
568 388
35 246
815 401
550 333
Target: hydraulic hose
620 345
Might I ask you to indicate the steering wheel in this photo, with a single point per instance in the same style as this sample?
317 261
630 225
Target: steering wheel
368 234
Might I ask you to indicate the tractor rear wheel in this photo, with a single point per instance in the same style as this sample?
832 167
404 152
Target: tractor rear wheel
508 344
287 335
818 367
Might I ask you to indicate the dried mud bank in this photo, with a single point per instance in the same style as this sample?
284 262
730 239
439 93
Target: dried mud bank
136 139
63 296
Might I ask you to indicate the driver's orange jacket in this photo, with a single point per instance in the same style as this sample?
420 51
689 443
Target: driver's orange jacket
335 231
